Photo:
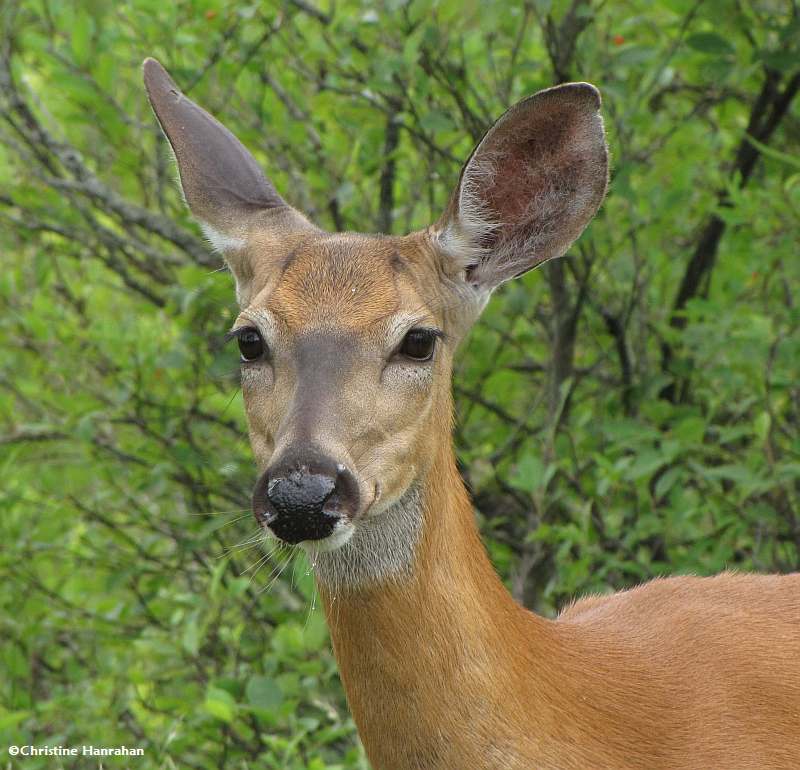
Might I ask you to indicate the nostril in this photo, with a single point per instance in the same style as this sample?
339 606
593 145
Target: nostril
345 495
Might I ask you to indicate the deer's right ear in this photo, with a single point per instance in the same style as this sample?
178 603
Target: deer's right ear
529 188
223 185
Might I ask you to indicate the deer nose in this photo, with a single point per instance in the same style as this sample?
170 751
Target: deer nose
303 499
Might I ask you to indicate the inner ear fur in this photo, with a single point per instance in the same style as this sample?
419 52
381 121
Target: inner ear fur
529 188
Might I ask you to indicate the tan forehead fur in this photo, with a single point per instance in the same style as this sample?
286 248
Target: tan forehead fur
346 280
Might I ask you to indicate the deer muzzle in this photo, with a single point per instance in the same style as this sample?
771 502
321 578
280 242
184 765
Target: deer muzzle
303 496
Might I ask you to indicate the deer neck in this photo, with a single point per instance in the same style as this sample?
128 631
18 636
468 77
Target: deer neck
437 650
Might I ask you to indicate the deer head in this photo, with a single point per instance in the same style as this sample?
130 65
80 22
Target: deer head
347 340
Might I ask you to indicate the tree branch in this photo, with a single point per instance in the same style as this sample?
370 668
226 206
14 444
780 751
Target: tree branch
386 199
766 114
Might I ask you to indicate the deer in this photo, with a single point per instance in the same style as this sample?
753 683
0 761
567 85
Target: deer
347 342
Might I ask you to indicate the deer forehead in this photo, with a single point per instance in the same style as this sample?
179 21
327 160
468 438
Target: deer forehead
355 282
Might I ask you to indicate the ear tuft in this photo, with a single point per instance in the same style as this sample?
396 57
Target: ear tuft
529 188
220 242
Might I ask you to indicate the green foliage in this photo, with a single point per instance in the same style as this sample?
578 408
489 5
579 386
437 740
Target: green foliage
137 605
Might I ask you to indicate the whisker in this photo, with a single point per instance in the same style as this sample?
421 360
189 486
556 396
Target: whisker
255 565
280 572
294 573
367 449
312 606
371 463
277 549
230 401
221 513
245 544
234 521
271 552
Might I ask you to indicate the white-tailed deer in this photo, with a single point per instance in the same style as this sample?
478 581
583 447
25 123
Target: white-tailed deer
347 344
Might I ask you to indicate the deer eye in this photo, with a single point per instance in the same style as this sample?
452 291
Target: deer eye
418 344
251 345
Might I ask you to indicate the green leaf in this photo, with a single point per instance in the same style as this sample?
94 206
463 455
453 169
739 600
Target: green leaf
9 719
710 43
220 704
761 425
81 37
436 121
262 692
191 635
287 640
690 430
771 152
647 462
530 473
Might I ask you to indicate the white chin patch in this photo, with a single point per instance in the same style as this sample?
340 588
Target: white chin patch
342 532
378 547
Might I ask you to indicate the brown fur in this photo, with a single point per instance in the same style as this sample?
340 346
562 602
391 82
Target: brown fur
442 670
446 671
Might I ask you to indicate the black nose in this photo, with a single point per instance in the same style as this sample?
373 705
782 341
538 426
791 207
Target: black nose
302 497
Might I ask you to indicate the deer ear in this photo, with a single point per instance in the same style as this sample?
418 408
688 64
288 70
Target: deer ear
223 185
529 188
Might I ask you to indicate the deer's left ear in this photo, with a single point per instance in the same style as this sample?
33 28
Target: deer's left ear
529 188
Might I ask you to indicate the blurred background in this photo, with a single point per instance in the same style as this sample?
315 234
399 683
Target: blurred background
629 411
